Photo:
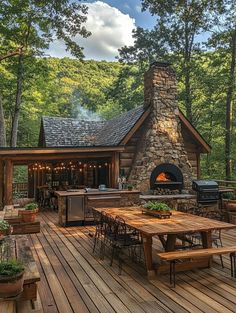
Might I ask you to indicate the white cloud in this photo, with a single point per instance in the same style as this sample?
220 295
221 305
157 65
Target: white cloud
111 29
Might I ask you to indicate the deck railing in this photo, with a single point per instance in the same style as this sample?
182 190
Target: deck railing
20 190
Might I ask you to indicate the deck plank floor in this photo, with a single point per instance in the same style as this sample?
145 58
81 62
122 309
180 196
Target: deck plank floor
73 279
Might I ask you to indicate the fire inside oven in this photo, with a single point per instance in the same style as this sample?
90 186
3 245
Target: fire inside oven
166 176
163 176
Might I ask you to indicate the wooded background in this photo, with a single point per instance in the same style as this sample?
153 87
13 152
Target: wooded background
197 37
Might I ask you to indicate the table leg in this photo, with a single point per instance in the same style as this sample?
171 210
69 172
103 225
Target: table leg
207 242
170 243
147 248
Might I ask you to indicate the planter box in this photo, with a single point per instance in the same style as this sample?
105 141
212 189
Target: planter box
229 205
158 214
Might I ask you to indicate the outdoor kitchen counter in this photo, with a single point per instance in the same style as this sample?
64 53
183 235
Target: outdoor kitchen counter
94 193
98 199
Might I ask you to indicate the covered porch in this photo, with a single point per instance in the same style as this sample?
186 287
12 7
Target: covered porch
59 168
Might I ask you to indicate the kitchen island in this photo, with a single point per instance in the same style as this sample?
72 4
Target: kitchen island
76 206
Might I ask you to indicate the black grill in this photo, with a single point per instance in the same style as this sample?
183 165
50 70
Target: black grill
207 191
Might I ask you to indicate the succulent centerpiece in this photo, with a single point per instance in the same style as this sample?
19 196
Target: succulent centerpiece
157 209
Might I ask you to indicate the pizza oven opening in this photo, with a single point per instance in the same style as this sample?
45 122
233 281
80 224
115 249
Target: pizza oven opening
166 176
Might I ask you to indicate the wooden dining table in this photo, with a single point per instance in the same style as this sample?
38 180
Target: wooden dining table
168 231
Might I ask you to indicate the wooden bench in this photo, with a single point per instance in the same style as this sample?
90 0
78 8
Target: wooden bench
18 247
175 256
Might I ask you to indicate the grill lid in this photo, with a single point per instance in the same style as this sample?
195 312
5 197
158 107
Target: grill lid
199 185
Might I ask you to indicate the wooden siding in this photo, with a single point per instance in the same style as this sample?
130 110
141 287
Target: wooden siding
192 149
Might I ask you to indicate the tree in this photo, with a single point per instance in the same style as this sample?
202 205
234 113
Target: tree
224 38
174 36
28 27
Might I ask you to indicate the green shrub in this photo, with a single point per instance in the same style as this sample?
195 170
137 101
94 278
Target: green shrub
31 206
11 268
130 186
229 196
4 225
157 206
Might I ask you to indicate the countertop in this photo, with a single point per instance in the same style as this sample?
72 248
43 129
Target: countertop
92 193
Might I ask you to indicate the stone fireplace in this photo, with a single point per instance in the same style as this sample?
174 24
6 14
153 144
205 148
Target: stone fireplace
161 159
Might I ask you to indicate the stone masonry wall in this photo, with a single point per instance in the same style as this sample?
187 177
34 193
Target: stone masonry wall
162 141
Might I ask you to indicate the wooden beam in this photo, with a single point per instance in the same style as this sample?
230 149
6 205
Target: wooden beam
25 159
57 150
1 185
115 169
8 190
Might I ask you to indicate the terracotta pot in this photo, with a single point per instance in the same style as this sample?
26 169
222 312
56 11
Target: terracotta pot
28 215
11 286
230 205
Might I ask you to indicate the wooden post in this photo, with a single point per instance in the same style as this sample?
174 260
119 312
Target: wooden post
8 190
198 165
115 169
1 185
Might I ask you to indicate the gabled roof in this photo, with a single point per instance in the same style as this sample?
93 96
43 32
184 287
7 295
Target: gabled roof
117 128
61 132
70 132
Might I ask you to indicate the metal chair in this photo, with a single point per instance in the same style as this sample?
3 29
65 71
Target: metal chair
124 237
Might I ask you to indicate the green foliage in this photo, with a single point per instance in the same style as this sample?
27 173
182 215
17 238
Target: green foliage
157 206
229 196
11 268
31 206
4 225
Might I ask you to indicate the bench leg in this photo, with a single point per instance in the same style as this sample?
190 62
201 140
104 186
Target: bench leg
172 273
233 264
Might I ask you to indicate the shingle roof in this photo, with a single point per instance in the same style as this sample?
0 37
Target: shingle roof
117 128
66 132
59 132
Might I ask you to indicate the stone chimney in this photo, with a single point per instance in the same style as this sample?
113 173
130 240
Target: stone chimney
162 140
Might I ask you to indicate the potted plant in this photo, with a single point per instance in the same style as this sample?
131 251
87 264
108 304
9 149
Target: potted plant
158 209
229 201
130 187
11 278
29 212
5 228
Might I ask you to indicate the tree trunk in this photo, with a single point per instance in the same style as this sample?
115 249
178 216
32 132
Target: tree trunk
229 109
2 125
16 115
188 99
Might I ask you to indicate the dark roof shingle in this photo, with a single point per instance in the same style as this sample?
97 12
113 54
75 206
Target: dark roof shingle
64 132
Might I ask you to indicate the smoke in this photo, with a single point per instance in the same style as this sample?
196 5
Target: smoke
87 115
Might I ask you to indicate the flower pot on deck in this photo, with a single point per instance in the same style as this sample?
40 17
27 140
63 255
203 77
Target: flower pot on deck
28 216
11 286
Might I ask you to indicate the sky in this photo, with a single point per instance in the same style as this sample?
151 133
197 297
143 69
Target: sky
111 23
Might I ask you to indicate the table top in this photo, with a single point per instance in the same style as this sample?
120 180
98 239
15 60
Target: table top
178 223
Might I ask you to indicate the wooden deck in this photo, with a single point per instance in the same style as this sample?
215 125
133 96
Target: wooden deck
73 279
